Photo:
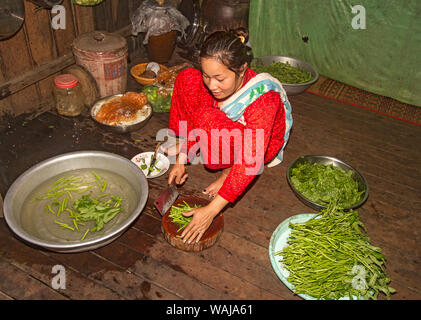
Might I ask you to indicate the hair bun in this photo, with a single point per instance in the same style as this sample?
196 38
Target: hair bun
241 33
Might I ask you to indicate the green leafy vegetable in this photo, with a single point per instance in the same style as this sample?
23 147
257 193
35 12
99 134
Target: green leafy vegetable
324 183
284 72
88 209
177 217
144 166
329 257
159 103
64 194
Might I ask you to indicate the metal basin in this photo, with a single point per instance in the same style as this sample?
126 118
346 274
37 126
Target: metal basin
291 89
313 159
134 186
118 128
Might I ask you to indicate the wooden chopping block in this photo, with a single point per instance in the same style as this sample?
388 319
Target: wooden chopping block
87 81
208 239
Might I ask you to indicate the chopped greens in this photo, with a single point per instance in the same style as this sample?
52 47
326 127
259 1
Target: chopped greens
177 217
73 196
322 184
144 166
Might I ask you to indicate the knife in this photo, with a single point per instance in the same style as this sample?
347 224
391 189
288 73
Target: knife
153 160
166 199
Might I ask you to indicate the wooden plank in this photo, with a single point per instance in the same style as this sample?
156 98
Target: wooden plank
16 60
121 13
38 265
41 49
84 18
161 275
103 16
19 285
191 264
38 74
64 37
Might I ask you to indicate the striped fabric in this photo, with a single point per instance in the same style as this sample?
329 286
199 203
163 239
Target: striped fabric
235 106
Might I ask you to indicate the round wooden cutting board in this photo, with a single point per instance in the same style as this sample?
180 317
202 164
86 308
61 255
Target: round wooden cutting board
87 82
208 239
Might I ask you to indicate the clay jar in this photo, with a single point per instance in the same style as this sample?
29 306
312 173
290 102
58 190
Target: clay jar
160 48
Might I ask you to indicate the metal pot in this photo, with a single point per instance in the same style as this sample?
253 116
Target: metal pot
135 189
12 16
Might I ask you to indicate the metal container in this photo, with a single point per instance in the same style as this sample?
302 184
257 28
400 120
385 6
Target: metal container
119 129
291 89
104 55
313 159
27 182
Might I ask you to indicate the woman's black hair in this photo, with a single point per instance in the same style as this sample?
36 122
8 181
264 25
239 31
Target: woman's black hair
229 48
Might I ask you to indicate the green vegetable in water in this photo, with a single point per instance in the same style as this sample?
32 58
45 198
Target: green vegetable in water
329 257
324 183
99 210
177 217
284 72
88 209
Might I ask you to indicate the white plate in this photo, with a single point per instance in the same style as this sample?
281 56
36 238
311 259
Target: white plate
278 241
161 163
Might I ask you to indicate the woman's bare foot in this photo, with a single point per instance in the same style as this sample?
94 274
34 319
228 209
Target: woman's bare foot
214 187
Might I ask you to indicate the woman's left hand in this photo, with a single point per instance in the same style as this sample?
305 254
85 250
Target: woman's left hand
202 219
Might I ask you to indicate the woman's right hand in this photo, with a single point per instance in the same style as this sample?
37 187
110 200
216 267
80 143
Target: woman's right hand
178 172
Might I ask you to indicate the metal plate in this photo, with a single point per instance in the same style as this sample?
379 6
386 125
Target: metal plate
362 183
120 129
290 88
278 241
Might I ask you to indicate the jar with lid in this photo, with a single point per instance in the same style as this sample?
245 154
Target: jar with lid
68 95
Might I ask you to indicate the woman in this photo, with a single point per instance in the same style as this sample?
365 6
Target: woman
237 119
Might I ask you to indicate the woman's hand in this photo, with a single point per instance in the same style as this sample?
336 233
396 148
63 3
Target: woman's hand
202 219
178 172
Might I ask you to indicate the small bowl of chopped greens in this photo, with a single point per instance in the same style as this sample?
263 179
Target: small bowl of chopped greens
143 161
319 180
295 75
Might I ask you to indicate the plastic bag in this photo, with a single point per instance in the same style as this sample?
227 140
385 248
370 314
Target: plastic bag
155 19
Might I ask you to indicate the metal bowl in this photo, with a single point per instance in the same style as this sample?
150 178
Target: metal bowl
118 128
291 89
135 188
362 183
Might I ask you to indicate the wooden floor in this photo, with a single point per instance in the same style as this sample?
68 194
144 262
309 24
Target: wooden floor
142 265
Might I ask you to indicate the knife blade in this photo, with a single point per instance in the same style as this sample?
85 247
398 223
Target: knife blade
153 160
166 199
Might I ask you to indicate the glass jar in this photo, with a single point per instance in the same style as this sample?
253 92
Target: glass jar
68 95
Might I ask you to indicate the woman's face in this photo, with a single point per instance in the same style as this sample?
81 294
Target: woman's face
221 81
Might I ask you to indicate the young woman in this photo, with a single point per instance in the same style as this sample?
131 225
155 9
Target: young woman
237 119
